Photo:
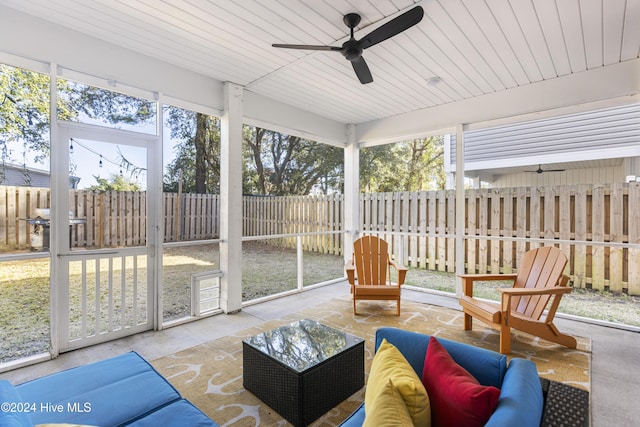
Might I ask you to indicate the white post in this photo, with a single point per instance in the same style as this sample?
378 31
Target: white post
56 164
231 199
351 192
460 206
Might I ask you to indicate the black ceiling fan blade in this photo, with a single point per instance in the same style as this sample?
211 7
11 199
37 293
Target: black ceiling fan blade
362 70
307 47
393 27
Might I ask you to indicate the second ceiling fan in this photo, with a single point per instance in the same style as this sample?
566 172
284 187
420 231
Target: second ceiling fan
352 49
540 170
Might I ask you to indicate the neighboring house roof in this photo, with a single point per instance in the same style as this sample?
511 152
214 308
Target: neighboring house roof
26 176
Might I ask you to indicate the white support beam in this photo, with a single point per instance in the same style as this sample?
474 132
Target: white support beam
460 207
231 199
275 115
351 191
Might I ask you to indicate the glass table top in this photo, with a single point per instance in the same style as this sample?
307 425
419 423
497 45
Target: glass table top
302 344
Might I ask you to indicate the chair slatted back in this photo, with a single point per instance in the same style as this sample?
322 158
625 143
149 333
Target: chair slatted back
371 258
540 268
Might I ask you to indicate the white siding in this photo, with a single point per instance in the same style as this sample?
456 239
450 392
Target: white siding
605 175
612 129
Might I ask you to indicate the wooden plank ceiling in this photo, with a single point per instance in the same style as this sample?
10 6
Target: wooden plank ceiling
475 47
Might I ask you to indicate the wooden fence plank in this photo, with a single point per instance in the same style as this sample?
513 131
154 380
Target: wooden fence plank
442 229
534 215
22 226
616 234
597 235
432 230
451 229
521 223
12 216
507 230
580 234
634 238
564 217
413 221
471 240
495 217
4 218
483 223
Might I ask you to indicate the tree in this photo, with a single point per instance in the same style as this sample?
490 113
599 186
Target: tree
24 111
280 164
116 183
413 165
197 161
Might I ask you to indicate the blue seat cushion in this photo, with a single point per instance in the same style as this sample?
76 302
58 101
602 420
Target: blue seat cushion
14 411
176 414
111 392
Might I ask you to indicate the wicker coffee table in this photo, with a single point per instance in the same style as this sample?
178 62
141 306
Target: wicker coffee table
303 369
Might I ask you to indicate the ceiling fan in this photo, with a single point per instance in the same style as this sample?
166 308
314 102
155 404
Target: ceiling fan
540 170
352 48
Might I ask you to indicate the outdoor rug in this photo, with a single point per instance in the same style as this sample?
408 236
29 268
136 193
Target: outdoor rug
210 374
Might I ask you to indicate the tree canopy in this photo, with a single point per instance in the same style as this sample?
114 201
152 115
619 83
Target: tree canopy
413 165
280 164
115 183
274 163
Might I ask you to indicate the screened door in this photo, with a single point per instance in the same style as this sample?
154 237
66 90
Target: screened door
103 240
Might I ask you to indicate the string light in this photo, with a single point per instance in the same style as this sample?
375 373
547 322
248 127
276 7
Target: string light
123 163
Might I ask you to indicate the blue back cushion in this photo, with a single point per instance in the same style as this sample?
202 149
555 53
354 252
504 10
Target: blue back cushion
487 366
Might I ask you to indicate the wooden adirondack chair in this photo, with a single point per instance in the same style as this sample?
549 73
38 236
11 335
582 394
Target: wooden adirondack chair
538 279
369 273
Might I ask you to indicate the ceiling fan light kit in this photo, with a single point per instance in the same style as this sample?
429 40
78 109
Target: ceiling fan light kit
352 49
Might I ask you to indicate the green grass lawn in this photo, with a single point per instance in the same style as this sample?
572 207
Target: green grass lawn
267 270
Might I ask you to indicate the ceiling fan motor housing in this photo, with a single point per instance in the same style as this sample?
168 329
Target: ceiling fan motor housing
351 50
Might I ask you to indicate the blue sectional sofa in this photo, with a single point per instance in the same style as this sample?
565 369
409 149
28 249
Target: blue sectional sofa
121 391
521 399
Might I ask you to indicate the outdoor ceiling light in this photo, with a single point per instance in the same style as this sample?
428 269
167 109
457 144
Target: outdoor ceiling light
432 81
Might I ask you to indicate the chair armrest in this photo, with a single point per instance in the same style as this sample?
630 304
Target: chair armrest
468 279
487 277
507 293
351 272
527 291
401 269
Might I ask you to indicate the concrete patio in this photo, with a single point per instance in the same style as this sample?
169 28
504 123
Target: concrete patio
614 385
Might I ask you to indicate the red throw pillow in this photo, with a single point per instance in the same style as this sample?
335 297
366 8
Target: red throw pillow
457 398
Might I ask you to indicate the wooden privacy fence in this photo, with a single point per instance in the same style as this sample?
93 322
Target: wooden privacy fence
113 218
297 215
597 226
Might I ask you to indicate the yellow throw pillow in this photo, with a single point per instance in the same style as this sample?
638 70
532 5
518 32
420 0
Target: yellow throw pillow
387 409
393 381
